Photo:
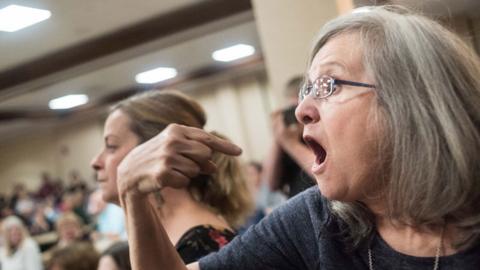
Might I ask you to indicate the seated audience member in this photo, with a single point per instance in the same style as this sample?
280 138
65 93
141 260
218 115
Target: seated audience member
47 187
390 109
19 250
115 257
17 188
265 200
74 199
77 256
69 230
4 208
39 222
199 218
24 206
288 163
109 221
50 209
76 182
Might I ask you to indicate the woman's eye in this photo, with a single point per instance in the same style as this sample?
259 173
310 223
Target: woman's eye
335 88
111 147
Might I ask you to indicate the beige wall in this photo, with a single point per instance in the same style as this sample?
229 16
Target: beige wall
58 151
236 108
240 110
287 29
75 147
24 159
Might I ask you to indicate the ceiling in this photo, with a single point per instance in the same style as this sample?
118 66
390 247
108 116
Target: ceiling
97 48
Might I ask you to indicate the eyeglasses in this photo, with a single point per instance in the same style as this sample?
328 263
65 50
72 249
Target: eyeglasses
325 86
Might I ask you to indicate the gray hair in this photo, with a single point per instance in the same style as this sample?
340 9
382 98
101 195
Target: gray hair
428 94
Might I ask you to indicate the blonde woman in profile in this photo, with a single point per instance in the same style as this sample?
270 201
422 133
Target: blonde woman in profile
199 218
20 251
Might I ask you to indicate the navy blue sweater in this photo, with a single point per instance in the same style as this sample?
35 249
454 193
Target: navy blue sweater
303 234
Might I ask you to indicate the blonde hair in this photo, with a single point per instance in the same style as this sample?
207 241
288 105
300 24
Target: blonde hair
9 222
428 94
226 191
68 217
77 256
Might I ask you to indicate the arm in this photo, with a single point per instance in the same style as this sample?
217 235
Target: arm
272 169
171 158
289 140
149 244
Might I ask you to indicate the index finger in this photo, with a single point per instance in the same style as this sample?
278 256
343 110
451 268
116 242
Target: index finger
212 141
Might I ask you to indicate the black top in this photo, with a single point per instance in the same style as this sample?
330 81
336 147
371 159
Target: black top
196 243
304 234
202 240
293 179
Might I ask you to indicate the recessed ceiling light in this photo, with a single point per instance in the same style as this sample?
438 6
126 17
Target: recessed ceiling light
13 17
233 53
156 75
67 102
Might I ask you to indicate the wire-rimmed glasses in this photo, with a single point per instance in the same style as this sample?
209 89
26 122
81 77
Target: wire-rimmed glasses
325 86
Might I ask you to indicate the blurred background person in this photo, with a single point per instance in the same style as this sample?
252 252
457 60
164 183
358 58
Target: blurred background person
109 221
77 256
115 257
265 200
47 187
40 223
69 228
287 166
24 206
74 199
19 251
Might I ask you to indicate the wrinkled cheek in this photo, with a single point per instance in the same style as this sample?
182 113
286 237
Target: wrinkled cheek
332 183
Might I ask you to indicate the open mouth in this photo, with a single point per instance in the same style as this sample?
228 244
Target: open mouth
318 150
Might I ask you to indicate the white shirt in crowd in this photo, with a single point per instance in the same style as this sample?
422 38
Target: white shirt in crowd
27 257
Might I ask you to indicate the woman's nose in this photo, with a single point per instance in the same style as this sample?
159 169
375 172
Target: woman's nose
307 112
95 163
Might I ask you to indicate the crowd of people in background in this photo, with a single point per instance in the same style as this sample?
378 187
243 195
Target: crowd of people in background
41 224
40 209
67 224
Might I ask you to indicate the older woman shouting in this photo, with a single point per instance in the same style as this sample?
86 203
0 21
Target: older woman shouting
391 110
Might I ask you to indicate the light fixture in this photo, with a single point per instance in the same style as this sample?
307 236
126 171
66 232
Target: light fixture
67 102
13 17
156 75
233 53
